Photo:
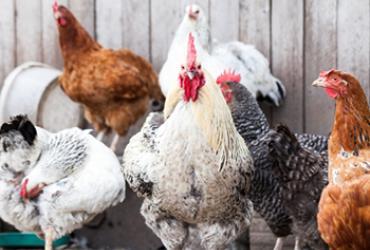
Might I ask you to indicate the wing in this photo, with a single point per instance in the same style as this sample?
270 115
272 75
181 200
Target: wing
315 143
63 154
139 156
118 75
104 77
254 68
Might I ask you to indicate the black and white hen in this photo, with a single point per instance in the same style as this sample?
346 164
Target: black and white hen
303 175
53 183
267 190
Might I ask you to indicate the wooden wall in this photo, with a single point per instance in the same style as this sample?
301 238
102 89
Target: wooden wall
300 38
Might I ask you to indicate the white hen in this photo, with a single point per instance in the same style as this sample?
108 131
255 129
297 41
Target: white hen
191 165
74 177
245 59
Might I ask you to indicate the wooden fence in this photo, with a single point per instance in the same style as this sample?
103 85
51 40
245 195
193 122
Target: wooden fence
299 37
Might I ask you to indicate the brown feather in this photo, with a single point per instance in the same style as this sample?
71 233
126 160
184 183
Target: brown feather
344 209
113 86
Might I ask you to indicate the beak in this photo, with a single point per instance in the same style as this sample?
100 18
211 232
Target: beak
319 82
190 74
57 15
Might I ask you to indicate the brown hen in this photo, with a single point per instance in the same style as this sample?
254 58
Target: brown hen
344 210
114 87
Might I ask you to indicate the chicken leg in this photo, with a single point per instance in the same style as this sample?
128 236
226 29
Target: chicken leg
279 244
49 239
296 245
101 135
114 143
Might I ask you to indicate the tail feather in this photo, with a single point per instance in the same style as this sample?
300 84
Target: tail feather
265 85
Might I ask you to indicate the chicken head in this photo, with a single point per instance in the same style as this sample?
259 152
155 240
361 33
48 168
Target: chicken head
191 77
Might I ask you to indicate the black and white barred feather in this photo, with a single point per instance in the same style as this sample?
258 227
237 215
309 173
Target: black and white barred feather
267 190
303 176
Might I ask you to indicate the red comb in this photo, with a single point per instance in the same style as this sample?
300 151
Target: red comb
55 6
23 192
326 73
192 53
228 76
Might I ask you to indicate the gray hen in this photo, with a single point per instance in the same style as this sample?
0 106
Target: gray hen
267 192
303 175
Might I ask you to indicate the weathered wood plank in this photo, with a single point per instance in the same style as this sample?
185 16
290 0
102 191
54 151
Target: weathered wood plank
224 20
50 42
164 23
287 60
135 29
29 30
8 40
255 28
354 39
109 22
254 24
320 54
84 10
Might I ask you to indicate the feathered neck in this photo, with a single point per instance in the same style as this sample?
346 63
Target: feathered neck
248 117
213 117
186 27
351 129
75 41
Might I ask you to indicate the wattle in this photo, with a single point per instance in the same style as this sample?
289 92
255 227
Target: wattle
191 88
331 93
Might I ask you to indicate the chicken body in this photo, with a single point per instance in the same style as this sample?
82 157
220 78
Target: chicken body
114 87
344 211
243 58
73 176
192 167
303 175
113 92
267 188
254 69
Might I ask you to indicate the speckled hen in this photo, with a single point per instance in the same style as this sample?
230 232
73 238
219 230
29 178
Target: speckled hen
52 184
266 190
191 165
303 175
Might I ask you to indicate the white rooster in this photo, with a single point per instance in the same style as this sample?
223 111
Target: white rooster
52 184
191 165
245 59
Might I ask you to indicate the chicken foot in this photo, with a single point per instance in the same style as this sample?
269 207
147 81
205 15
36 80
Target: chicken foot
296 245
100 135
279 243
114 143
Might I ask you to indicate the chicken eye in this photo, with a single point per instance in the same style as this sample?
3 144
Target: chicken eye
197 12
182 67
199 66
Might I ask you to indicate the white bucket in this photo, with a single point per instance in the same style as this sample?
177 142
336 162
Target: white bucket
32 88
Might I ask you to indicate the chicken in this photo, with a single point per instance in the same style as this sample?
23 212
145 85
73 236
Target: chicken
303 176
245 59
266 191
191 165
55 182
114 87
344 209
